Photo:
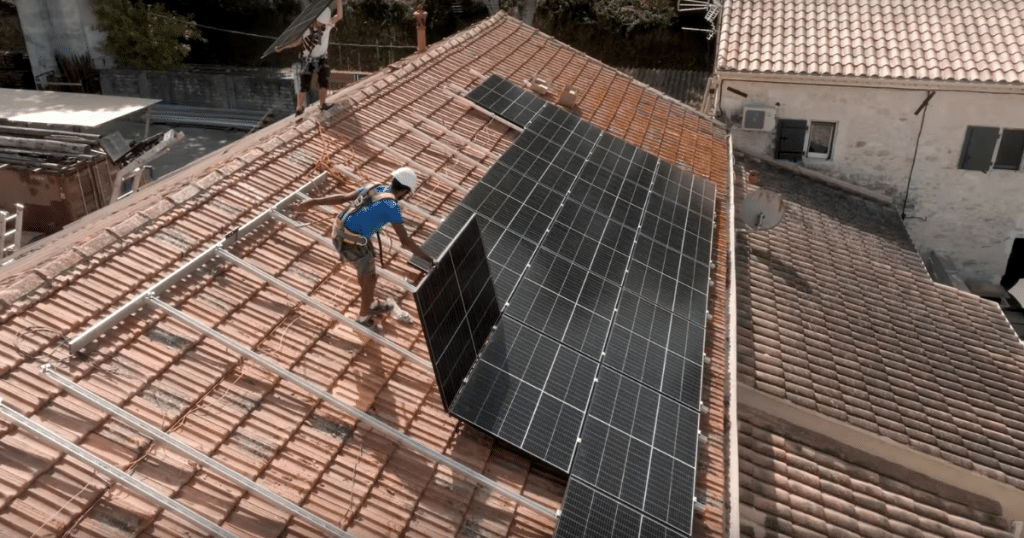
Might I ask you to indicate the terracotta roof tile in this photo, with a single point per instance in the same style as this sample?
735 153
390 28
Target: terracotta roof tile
170 376
965 41
853 495
922 364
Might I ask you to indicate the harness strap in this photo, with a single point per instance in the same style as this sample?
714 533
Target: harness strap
369 195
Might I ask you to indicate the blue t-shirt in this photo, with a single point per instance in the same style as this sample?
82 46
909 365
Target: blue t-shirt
371 218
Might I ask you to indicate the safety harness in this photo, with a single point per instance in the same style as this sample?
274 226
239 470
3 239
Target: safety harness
367 195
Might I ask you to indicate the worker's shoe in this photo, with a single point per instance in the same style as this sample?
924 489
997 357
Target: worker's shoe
370 322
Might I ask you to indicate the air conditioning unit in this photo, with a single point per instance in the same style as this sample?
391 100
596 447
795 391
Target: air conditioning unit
758 118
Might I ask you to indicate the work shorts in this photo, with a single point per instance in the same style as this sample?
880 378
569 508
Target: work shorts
361 256
318 66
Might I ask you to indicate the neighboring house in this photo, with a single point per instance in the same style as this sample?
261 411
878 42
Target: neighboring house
872 400
65 27
213 390
918 100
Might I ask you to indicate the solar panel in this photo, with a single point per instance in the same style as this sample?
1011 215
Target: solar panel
530 391
657 348
600 253
506 99
588 512
299 25
458 308
639 447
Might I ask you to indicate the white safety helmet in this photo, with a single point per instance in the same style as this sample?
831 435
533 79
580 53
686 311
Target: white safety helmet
407 177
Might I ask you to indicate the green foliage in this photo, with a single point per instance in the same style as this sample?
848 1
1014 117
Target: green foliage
621 16
145 37
443 20
628 33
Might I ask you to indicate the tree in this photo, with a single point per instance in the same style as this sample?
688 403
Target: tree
144 36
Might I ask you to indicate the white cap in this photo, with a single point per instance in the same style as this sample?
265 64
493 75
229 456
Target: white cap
325 16
407 177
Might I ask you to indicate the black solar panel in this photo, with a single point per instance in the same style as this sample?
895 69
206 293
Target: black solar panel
507 100
299 25
458 308
657 348
528 390
639 447
600 254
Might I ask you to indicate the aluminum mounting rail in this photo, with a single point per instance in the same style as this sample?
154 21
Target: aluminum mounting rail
76 344
376 423
283 286
46 435
183 449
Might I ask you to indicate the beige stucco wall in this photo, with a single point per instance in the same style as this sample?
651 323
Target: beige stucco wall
970 217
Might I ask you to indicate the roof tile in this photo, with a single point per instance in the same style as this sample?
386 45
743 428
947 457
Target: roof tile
915 37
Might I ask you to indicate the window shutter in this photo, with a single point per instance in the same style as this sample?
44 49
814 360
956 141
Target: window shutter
789 141
979 144
1011 148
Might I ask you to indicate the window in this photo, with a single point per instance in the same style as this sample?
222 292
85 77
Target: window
819 139
796 139
991 147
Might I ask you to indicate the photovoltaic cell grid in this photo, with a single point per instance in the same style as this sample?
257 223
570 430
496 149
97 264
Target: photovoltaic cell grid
528 390
457 305
588 512
600 253
507 100
639 447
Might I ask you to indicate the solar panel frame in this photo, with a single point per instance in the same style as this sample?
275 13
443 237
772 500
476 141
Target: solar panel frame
458 308
640 463
619 276
530 391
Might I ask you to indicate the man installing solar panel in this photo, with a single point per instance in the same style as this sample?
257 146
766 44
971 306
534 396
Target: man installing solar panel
313 58
369 209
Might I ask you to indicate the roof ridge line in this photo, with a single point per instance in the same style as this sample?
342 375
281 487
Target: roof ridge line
818 176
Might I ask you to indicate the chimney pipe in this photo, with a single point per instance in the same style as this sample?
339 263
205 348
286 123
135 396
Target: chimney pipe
421 29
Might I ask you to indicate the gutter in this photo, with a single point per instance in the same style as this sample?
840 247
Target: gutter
873 82
732 522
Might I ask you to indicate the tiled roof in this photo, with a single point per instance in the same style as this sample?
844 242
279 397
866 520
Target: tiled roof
687 86
270 430
798 483
941 40
838 314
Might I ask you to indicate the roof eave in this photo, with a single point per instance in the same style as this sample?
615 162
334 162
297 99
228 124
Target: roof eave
871 82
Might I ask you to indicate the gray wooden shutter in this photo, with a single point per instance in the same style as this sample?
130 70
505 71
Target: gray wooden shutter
789 141
1011 149
979 144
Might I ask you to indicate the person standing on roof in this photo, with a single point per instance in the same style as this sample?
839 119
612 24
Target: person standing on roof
370 208
313 58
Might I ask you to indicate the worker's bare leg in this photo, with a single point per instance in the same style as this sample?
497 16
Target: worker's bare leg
367 288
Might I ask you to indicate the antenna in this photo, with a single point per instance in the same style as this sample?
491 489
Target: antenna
711 8
762 210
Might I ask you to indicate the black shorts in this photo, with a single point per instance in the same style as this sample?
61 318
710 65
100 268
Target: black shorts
322 70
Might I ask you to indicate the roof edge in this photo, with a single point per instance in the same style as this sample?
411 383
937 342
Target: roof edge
871 82
862 445
820 177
